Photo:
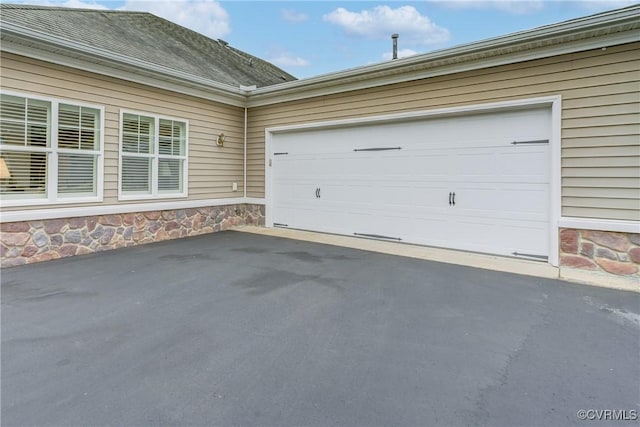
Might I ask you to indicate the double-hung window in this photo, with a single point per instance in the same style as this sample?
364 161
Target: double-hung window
50 151
153 156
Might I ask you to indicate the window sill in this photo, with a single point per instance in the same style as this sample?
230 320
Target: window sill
123 197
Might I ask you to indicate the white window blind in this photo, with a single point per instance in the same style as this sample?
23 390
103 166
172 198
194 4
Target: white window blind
136 175
78 145
153 156
25 140
170 175
76 173
26 174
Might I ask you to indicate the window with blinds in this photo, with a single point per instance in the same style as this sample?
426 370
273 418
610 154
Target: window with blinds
78 149
25 146
153 156
49 150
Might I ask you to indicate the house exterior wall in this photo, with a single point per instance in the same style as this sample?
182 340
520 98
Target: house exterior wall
600 120
600 139
212 169
91 227
600 152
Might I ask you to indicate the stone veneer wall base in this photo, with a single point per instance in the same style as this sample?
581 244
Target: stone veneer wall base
26 242
602 258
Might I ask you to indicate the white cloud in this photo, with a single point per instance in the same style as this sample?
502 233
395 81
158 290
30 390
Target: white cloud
286 59
516 7
78 4
207 17
83 5
382 21
402 53
293 16
601 5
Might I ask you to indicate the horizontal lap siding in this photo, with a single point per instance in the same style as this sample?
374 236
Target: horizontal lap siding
600 92
211 169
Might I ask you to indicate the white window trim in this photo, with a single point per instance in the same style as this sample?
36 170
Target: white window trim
52 166
155 194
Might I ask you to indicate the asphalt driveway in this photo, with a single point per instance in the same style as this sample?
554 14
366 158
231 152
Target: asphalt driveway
237 329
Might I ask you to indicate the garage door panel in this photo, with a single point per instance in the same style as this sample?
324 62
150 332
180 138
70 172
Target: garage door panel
421 164
500 165
528 201
524 161
516 237
501 189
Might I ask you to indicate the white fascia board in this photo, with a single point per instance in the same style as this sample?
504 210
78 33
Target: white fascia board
519 47
25 42
122 208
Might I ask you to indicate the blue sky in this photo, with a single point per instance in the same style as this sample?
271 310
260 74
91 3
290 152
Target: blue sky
308 38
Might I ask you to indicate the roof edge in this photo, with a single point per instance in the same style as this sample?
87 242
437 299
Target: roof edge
39 45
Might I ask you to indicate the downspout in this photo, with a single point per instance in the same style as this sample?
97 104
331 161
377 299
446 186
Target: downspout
246 90
244 160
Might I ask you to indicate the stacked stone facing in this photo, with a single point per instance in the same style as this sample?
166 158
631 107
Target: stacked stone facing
26 242
614 253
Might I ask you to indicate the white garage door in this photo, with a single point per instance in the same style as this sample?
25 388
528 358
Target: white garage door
477 182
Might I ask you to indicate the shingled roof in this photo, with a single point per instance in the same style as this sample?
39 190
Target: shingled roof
144 36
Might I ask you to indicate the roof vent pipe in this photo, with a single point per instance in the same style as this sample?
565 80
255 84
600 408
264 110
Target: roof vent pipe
394 37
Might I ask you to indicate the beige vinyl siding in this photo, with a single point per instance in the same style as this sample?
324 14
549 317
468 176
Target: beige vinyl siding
212 169
600 92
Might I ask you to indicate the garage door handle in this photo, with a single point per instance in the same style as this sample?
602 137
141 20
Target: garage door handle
450 199
317 193
453 199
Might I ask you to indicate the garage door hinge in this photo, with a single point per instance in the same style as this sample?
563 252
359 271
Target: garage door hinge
542 257
378 149
377 236
537 141
277 224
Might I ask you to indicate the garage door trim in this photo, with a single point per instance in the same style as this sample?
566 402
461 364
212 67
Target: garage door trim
553 102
